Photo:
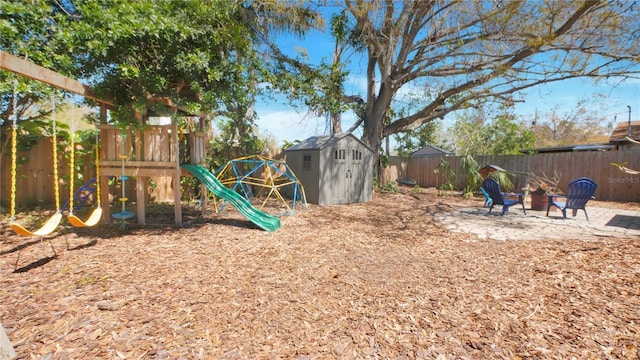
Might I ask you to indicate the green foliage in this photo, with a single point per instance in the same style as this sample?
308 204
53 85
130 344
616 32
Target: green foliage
287 144
502 178
503 135
446 189
410 141
472 171
384 160
344 33
234 141
467 195
189 188
33 110
446 170
84 156
33 29
208 57
390 186
161 49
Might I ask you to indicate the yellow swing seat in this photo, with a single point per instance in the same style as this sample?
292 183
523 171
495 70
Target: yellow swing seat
93 219
53 221
46 229
96 215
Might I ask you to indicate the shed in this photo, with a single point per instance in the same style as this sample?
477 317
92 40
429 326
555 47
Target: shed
429 151
334 169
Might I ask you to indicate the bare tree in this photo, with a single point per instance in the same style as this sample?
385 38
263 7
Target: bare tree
579 125
472 52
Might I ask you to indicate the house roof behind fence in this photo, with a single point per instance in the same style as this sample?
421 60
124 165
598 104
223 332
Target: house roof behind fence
568 148
618 136
623 130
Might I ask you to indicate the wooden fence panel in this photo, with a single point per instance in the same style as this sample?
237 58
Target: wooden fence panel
395 170
620 185
34 176
613 184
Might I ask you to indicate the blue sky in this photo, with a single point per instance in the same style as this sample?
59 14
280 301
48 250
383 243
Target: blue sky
607 99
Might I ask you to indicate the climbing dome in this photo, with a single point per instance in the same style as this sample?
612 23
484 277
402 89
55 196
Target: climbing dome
257 177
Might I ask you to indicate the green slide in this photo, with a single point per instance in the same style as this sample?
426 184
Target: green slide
265 221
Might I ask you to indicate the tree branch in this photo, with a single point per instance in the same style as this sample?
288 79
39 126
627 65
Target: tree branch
438 106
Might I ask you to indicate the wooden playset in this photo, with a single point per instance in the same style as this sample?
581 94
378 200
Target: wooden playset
148 151
142 150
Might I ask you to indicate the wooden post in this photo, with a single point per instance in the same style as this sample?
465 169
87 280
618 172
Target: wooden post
104 180
204 199
104 199
177 197
141 198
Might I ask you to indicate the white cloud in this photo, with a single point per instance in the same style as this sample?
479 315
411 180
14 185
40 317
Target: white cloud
289 125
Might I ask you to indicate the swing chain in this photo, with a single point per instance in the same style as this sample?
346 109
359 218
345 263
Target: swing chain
54 139
72 166
14 149
97 153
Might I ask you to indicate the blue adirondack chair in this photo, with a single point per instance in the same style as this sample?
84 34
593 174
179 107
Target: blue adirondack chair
499 198
580 191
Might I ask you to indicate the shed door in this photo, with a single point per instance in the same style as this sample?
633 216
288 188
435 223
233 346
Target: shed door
341 174
348 175
356 176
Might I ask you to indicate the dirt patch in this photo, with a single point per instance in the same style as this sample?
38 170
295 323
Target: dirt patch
374 280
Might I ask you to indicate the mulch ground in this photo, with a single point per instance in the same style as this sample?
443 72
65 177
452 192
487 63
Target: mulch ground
378 280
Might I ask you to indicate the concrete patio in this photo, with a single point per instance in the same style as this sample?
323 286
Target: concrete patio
535 225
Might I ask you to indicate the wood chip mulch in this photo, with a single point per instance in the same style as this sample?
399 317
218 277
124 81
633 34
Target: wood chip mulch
378 280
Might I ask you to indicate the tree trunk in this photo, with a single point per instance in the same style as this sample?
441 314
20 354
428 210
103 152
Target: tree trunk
336 127
374 124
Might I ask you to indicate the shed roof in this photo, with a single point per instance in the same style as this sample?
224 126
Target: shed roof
491 166
321 142
430 150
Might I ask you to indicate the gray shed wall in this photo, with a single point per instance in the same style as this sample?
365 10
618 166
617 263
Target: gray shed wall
309 178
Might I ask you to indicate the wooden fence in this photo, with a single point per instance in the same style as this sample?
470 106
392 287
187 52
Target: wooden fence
34 178
34 175
613 184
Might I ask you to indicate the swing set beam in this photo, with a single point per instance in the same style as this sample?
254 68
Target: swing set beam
36 72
